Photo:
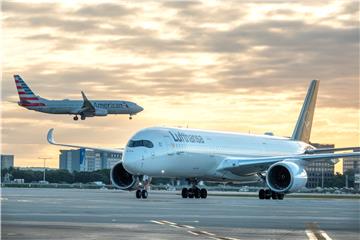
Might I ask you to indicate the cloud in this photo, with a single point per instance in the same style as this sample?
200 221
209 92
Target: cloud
105 10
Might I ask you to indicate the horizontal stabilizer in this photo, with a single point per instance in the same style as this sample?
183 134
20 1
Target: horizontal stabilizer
330 150
245 166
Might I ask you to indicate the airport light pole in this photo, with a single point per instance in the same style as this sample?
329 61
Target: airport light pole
44 158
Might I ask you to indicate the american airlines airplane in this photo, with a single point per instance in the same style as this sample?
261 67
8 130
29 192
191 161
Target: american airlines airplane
200 155
84 108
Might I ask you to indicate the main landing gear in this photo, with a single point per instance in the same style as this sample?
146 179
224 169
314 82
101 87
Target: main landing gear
268 194
130 116
194 192
82 117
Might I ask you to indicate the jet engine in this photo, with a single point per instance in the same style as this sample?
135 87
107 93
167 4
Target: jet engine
100 112
285 177
123 179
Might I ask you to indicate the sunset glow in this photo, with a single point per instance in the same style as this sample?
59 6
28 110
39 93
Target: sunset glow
235 67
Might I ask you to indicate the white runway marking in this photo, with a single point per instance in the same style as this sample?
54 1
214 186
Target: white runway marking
174 226
187 226
310 235
193 232
171 223
314 233
324 234
153 221
207 233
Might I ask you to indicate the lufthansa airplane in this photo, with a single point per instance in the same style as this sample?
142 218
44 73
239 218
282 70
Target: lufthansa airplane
199 155
84 108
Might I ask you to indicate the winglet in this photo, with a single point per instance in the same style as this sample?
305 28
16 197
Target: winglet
51 140
303 126
50 136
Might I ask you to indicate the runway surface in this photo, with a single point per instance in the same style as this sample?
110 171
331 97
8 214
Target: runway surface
109 214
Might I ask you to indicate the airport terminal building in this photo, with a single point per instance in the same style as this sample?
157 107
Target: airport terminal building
319 172
86 160
7 161
352 163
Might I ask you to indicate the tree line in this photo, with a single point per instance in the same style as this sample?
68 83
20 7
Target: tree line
57 176
103 175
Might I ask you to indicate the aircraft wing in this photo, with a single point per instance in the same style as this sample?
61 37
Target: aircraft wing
87 106
51 140
243 166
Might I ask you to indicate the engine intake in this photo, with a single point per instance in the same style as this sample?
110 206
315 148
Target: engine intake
122 179
286 177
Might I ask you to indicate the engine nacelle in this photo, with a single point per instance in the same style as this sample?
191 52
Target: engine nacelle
286 177
122 179
100 112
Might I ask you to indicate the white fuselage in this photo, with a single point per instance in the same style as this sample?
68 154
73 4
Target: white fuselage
190 153
74 106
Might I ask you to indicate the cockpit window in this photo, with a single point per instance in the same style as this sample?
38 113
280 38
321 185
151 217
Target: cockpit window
140 143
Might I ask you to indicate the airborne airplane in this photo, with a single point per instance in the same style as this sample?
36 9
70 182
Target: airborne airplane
199 155
85 108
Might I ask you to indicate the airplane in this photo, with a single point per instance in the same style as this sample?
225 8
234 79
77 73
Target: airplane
201 155
85 108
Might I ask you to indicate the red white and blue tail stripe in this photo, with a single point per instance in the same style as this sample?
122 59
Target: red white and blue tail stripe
27 97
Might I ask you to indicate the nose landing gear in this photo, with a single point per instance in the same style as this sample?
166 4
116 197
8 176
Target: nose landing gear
144 184
141 194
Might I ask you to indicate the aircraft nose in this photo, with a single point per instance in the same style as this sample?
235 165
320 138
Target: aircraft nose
131 163
139 108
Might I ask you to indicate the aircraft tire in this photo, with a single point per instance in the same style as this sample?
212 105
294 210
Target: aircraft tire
184 193
144 194
274 195
190 193
267 194
197 193
138 194
281 196
261 194
203 193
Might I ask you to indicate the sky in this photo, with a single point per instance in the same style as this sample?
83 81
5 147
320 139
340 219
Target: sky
241 66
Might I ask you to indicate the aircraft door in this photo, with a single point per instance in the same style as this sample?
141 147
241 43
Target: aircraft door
168 145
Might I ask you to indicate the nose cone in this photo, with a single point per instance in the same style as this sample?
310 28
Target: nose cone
139 109
131 163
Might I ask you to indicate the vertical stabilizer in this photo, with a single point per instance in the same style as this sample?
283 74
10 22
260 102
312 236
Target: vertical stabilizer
26 96
302 129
